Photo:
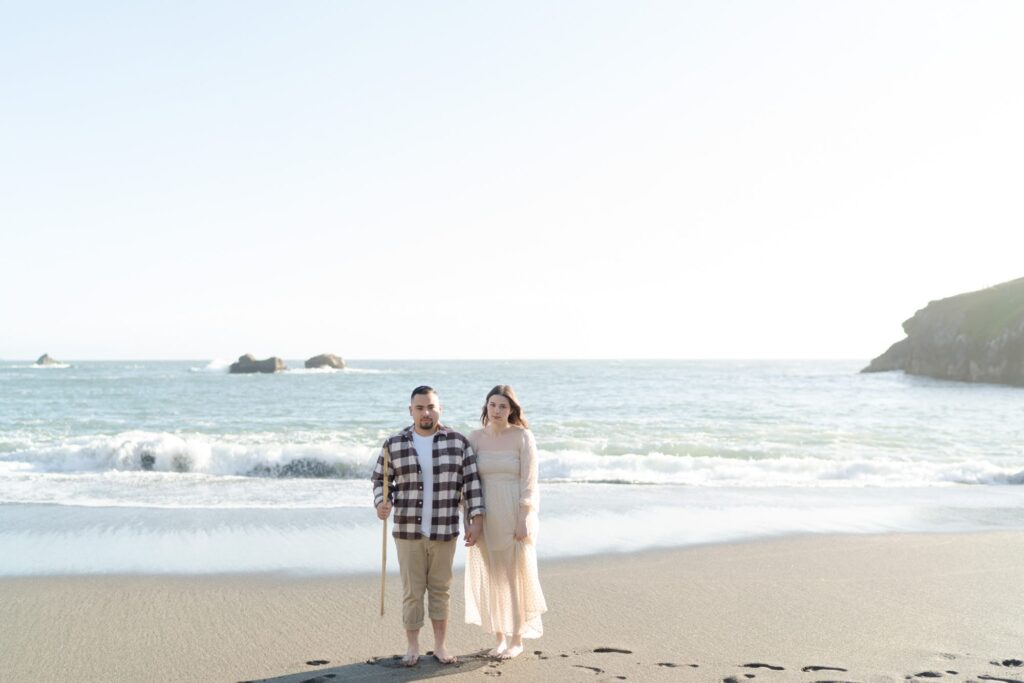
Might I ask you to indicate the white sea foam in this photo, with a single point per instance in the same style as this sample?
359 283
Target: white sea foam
658 468
218 365
314 371
372 371
346 370
165 490
36 366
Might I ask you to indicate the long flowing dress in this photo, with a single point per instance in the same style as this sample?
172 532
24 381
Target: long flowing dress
503 593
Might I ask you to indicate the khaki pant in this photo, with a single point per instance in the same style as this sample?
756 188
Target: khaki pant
425 565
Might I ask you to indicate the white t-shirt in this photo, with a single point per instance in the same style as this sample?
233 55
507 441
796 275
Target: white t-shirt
425 454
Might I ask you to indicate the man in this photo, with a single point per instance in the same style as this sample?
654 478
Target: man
431 471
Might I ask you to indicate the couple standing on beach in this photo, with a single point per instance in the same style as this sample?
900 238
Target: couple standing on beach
492 475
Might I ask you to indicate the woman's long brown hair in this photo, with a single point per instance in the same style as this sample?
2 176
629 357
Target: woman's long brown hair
515 413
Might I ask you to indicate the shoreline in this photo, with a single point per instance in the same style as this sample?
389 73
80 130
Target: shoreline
858 607
639 554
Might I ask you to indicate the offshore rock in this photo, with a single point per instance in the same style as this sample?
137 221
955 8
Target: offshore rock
248 364
46 360
972 337
326 360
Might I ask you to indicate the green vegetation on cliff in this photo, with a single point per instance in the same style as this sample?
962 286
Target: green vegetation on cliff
987 312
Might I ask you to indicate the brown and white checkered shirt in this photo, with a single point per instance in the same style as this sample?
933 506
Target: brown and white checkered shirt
455 482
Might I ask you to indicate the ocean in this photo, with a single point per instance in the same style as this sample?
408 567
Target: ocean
180 467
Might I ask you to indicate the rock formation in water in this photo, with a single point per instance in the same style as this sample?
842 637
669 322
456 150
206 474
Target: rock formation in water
326 360
973 337
249 364
46 360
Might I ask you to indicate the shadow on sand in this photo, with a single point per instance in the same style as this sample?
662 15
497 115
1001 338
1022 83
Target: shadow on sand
389 667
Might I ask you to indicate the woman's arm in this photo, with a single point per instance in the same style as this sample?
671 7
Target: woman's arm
528 494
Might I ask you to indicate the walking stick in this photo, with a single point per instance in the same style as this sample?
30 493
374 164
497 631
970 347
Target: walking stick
384 544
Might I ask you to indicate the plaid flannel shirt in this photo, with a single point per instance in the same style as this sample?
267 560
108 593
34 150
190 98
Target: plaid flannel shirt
456 482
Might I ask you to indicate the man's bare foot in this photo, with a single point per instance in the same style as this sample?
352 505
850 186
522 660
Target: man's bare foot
442 656
412 656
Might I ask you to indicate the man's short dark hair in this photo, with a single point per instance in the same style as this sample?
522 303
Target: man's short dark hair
421 390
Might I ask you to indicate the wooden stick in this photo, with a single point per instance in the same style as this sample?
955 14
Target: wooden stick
384 544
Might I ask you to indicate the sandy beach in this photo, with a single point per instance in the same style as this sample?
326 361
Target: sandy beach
810 608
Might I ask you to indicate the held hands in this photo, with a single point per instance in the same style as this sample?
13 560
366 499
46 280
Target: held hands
473 530
383 510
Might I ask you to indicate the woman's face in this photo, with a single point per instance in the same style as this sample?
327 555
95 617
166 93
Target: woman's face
498 409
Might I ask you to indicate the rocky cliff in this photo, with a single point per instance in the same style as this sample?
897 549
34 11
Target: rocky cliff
973 337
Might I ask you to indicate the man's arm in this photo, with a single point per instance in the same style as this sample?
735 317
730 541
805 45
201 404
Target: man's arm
377 477
472 495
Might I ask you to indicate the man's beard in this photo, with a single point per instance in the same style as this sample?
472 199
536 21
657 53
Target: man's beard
426 423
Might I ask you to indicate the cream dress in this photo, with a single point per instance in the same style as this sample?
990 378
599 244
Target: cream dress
503 592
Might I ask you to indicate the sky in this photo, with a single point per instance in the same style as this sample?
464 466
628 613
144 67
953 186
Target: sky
590 179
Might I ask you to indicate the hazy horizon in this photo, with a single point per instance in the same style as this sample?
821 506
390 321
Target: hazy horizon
349 359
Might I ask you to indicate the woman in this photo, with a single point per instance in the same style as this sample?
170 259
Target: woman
503 592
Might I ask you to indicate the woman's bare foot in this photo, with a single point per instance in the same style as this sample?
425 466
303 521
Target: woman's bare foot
511 651
499 645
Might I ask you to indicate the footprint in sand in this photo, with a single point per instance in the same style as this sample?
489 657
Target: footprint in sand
986 677
928 674
1008 662
613 649
591 668
758 665
318 662
808 669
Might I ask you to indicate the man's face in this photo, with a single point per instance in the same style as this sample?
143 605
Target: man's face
426 412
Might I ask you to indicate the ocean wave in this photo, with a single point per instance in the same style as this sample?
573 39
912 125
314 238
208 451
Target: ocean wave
164 452
339 456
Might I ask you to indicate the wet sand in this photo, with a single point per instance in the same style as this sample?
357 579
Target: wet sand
810 608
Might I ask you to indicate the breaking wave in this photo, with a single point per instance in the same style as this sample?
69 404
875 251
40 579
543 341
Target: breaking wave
339 457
